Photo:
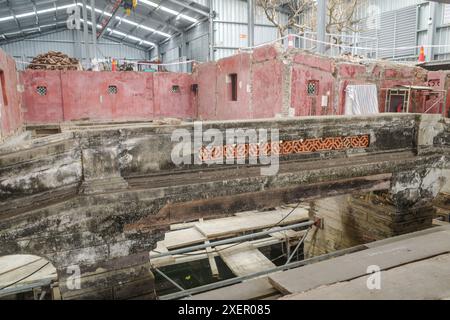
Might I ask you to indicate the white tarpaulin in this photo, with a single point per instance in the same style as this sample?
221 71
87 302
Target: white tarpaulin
361 99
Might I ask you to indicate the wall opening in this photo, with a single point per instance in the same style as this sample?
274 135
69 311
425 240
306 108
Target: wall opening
194 88
3 86
312 88
112 89
233 87
41 90
175 89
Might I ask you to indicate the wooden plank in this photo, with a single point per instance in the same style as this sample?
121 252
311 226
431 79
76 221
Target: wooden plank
355 265
238 224
249 290
244 259
289 234
212 261
437 222
38 269
182 238
163 261
420 280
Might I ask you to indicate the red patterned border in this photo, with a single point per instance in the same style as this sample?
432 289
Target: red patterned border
283 148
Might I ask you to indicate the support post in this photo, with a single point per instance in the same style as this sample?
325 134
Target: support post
94 31
251 22
431 30
85 32
321 22
211 30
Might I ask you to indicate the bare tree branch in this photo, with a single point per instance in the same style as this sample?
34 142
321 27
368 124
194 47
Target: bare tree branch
341 15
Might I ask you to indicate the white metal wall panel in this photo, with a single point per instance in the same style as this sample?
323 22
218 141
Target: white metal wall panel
65 41
265 34
394 29
230 10
368 8
406 30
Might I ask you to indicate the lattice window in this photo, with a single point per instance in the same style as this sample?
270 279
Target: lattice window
175 89
312 87
41 90
112 89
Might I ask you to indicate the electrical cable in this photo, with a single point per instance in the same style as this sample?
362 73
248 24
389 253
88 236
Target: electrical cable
17 281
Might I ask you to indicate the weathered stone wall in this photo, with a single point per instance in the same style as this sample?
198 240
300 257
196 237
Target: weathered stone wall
98 198
349 221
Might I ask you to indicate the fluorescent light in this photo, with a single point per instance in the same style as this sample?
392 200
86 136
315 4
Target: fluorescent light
32 13
144 27
134 38
6 18
23 15
168 10
122 34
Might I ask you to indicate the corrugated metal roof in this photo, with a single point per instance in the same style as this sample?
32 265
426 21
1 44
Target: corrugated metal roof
152 21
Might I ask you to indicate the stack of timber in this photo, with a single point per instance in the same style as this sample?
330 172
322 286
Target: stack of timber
354 220
442 205
54 60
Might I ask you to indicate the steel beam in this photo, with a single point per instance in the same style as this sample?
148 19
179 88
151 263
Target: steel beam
211 30
321 23
431 32
251 22
94 29
86 31
187 6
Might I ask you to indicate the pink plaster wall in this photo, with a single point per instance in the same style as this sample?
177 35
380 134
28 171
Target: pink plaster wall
84 95
267 82
11 118
47 108
206 99
226 108
307 68
174 104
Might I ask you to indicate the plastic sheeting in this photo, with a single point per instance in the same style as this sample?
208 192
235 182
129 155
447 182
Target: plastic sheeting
361 99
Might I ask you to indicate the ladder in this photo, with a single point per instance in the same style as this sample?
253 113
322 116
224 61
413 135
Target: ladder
112 8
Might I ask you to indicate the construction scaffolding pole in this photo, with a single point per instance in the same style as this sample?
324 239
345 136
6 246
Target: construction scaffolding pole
321 23
85 33
94 31
211 30
232 240
251 22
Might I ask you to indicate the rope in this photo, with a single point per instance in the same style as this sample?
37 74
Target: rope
345 46
126 61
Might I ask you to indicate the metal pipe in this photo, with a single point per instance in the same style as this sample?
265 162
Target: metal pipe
170 280
211 31
321 22
251 22
296 248
220 284
94 31
231 240
85 32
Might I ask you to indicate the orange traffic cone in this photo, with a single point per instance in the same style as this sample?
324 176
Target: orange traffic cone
422 54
